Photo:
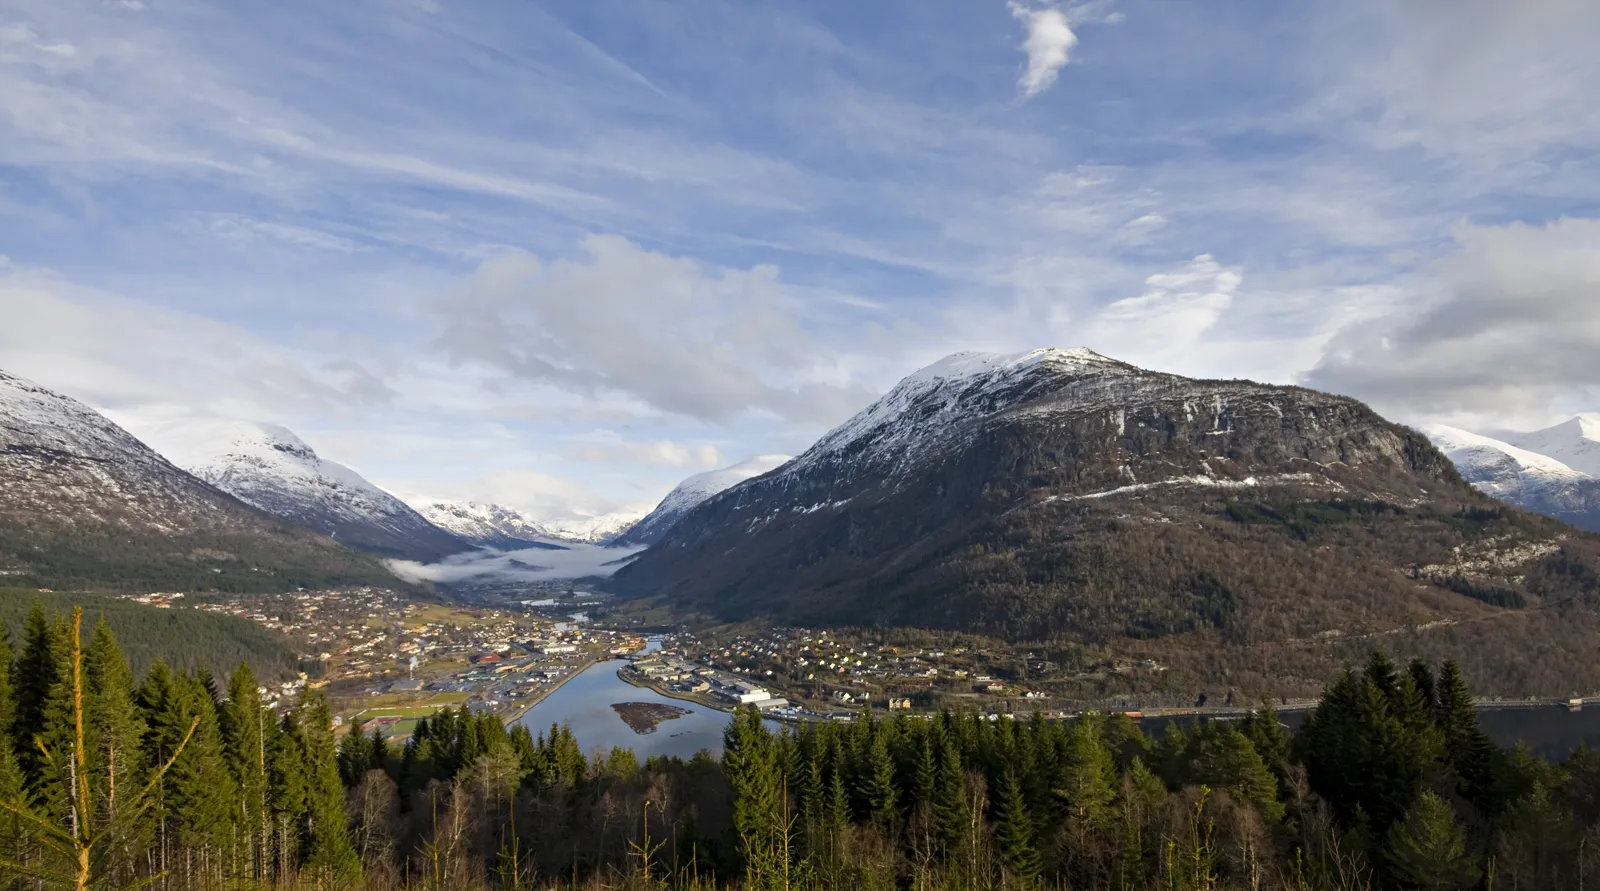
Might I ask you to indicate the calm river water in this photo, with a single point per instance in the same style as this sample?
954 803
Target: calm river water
584 704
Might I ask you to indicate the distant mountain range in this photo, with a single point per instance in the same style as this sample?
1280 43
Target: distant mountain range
1555 471
1064 496
84 503
498 526
690 493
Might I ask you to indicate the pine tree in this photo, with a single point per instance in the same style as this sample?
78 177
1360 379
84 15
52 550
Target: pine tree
1014 829
328 849
749 758
1468 750
37 672
925 778
115 729
951 808
287 794
1087 775
1428 848
877 786
246 728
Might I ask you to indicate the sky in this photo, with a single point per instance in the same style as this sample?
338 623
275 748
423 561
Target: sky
562 255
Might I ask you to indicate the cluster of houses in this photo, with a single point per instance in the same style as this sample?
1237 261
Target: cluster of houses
682 677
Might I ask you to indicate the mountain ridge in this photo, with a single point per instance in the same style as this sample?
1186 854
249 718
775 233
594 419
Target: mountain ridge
1063 495
84 502
691 492
269 467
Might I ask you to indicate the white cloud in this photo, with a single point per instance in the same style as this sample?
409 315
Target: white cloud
711 344
1049 41
664 453
1504 331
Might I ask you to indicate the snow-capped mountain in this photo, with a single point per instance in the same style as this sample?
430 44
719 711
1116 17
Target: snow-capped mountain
1574 442
82 501
601 529
691 492
1063 493
487 525
498 526
268 466
1525 478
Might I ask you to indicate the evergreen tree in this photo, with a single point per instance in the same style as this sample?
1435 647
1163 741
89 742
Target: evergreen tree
750 759
951 808
1428 848
328 849
1469 752
925 778
1014 829
287 794
114 727
246 728
37 672
877 782
1087 776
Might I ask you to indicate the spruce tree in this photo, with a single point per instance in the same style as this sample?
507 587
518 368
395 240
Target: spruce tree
1014 829
37 672
750 759
951 808
1428 848
328 848
1470 753
877 786
1087 775
115 728
246 728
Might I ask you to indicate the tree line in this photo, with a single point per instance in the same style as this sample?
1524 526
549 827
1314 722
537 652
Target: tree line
182 780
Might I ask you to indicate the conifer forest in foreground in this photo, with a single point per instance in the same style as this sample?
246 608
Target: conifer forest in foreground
181 780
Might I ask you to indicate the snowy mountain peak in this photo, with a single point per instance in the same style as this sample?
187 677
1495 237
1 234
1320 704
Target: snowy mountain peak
1532 480
269 467
913 416
1574 442
498 526
694 490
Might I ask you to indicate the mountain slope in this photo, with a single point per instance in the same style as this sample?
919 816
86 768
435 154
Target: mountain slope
1574 442
1522 478
1063 496
487 525
269 467
689 493
82 502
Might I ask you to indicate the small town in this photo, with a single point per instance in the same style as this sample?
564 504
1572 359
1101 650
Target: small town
386 660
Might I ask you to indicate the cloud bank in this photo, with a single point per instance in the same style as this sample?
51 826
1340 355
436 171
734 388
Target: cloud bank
535 565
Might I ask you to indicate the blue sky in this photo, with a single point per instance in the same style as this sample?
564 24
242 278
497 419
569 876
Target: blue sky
561 255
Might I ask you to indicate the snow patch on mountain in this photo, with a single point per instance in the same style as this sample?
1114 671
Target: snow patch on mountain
1521 477
269 467
692 491
1574 442
499 526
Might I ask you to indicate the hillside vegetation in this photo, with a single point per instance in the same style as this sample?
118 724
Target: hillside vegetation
185 639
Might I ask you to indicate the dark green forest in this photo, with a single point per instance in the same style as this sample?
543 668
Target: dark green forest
179 779
187 639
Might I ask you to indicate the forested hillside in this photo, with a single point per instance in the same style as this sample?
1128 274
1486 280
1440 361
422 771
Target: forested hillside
185 639
185 782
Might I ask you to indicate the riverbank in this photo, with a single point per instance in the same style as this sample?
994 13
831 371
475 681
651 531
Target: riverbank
626 677
522 708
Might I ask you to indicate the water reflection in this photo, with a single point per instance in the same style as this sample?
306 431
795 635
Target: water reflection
584 704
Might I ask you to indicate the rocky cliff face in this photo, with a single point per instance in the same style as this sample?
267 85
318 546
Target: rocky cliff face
1060 494
84 502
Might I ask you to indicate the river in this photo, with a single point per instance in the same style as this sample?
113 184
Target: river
584 704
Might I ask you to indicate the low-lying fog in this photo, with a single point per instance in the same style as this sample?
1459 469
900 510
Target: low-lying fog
531 565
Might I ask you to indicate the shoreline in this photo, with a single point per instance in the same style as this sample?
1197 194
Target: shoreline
523 710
